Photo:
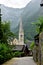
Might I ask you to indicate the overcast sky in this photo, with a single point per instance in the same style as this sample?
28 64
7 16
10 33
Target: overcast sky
15 3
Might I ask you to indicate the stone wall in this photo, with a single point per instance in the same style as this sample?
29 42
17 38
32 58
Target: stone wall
41 48
38 51
35 53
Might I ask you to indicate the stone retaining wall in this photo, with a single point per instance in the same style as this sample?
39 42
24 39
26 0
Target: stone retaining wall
41 48
38 51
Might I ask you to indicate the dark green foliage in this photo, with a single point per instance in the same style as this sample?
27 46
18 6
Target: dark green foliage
5 53
32 45
5 49
5 35
5 32
1 32
4 29
18 54
39 25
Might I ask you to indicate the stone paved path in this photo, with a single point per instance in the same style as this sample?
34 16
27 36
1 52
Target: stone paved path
21 61
24 61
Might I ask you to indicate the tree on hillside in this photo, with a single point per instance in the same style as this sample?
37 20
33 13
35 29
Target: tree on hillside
5 27
39 25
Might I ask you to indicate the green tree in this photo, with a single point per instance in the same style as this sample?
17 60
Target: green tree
5 30
39 25
1 32
5 53
32 45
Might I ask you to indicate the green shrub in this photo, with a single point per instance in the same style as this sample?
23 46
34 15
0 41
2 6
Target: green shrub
5 52
18 54
1 59
32 45
22 54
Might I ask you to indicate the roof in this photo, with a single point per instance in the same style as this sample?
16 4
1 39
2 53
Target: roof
18 47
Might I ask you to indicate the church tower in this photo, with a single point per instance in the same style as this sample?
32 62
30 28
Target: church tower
21 34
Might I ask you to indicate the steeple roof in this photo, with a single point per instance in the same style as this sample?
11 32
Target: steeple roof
21 26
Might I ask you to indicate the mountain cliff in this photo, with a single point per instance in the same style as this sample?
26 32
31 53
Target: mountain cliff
29 14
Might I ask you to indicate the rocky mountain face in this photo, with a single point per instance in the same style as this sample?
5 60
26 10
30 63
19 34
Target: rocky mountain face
11 14
29 14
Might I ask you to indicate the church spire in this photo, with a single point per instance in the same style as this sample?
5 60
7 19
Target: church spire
21 34
21 26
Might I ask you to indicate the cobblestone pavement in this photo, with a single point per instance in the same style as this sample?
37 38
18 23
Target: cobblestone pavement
24 61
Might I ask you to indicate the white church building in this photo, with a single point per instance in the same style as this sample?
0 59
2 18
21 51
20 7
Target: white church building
20 40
